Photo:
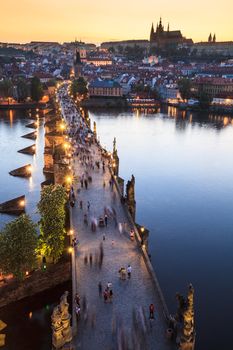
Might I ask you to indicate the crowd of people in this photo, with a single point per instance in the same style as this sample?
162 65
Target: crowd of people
92 160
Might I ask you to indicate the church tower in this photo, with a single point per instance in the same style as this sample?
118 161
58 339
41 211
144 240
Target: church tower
77 65
210 38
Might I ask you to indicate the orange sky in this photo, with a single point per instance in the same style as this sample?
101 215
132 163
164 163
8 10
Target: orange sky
102 20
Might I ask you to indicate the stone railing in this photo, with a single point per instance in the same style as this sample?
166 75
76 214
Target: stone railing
144 253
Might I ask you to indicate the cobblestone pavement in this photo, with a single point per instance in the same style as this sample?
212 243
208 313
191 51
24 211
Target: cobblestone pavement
97 327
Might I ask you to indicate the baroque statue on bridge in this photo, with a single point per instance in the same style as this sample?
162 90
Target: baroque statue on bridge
130 196
187 340
61 328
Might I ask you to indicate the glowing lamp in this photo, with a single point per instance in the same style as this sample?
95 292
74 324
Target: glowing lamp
68 179
22 203
29 168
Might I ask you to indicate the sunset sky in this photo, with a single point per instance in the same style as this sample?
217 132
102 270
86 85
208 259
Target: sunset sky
102 20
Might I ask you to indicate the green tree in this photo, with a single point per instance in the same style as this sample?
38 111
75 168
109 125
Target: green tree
204 100
22 90
184 85
52 223
18 243
79 87
120 49
36 89
111 49
6 88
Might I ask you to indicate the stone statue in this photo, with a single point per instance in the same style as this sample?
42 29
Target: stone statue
95 131
64 306
115 159
61 328
187 340
130 189
130 196
114 145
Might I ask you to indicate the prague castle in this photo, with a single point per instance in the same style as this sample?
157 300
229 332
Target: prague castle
167 38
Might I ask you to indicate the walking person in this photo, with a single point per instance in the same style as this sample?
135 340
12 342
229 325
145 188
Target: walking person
85 219
86 184
106 220
129 271
100 288
152 310
105 296
77 299
90 259
88 205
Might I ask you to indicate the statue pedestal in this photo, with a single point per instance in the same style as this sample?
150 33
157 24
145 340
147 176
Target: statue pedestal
187 346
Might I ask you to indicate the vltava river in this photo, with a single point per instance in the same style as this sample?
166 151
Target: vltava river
184 191
12 127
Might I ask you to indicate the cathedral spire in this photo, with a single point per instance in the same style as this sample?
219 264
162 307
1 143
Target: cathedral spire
160 28
214 38
210 38
77 57
168 27
152 32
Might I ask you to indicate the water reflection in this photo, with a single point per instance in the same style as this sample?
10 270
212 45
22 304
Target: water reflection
12 127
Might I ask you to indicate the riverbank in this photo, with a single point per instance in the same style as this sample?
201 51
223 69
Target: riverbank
29 320
24 105
108 102
195 108
39 281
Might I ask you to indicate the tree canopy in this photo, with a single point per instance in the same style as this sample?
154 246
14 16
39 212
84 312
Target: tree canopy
36 89
18 243
22 90
52 223
6 88
204 100
184 85
79 87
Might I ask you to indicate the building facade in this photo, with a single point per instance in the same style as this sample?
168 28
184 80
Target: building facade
214 87
105 88
224 48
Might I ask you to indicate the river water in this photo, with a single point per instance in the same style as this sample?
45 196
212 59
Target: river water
28 321
184 192
183 167
12 127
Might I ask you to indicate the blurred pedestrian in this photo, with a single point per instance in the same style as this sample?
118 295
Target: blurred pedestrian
152 310
129 271
100 288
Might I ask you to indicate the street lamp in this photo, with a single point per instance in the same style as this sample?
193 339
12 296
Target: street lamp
69 180
22 203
